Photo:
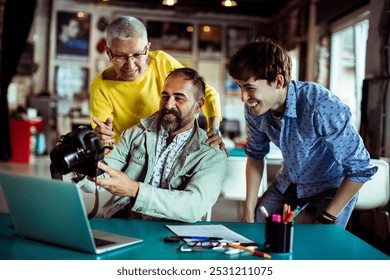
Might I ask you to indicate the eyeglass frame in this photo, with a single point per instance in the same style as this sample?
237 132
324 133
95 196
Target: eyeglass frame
125 57
199 244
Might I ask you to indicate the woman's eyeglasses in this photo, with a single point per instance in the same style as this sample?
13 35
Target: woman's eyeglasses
120 59
195 245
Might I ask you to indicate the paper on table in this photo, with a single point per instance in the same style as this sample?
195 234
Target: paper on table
208 230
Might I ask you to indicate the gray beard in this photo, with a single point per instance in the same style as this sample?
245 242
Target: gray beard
175 125
170 126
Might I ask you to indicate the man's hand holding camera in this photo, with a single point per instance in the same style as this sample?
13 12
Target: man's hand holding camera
118 183
105 133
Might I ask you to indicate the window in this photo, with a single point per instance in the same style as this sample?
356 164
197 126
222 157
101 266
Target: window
294 55
348 63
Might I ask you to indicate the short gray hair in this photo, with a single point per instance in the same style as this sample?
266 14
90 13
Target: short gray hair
126 27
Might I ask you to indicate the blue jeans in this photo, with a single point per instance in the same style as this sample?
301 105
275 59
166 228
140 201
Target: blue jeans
273 200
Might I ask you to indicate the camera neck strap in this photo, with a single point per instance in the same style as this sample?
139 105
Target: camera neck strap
56 175
95 209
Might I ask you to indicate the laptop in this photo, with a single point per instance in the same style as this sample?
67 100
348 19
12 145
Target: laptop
53 211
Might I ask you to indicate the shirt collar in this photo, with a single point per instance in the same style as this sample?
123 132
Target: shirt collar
179 137
291 101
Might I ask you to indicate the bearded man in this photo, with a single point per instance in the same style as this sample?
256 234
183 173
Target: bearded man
163 167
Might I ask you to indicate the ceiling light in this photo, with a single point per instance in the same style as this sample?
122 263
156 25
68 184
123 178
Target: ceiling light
80 14
190 28
229 3
206 28
169 2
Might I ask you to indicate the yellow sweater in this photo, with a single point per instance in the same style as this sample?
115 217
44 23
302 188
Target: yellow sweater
128 102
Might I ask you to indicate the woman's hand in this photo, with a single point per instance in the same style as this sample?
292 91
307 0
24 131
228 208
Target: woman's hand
105 133
214 139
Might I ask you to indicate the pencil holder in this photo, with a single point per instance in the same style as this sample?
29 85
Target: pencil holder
279 236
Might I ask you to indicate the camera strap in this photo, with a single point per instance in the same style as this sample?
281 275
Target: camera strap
55 174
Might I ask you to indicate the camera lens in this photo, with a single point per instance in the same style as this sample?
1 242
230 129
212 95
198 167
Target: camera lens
66 158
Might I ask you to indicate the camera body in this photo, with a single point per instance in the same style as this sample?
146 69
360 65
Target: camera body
79 151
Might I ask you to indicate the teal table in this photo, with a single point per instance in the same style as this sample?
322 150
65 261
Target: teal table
237 152
311 242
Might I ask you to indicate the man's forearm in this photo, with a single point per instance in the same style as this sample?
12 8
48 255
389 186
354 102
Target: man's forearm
345 193
254 174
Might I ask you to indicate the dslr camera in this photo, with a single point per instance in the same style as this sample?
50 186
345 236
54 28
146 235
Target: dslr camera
78 151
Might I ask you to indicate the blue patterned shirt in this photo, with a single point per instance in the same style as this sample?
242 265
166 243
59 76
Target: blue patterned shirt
319 145
166 156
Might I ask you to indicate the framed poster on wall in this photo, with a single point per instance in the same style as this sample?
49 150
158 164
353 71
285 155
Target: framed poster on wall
210 41
170 36
71 87
72 36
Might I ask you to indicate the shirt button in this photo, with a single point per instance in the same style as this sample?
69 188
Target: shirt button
139 209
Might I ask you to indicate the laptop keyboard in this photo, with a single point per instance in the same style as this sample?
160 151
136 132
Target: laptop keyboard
102 242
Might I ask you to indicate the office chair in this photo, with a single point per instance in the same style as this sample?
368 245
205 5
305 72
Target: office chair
230 128
375 194
234 186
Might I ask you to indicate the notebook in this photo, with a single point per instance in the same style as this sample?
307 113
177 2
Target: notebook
221 231
53 211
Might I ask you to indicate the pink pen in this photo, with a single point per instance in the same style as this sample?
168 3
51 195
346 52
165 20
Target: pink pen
276 218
